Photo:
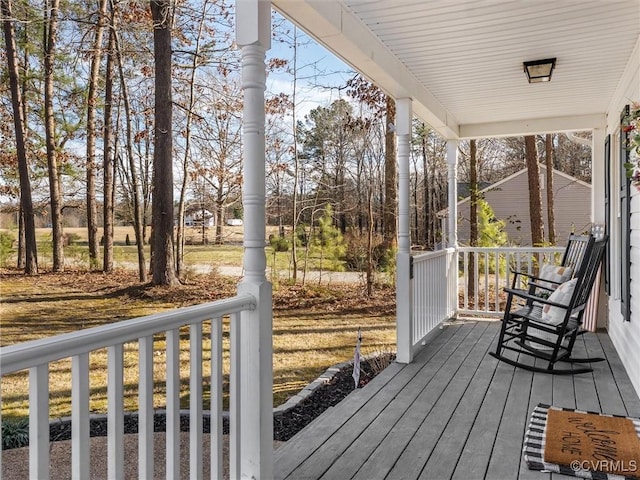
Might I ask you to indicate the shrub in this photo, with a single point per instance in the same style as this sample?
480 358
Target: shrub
6 246
356 253
302 237
491 233
15 433
327 242
278 243
71 238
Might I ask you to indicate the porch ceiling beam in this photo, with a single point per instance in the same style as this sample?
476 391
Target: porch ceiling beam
533 126
345 36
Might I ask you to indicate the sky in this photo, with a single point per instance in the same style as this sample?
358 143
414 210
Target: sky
321 75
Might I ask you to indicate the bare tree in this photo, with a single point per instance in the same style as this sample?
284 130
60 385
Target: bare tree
296 162
196 61
134 177
50 32
108 158
26 203
96 59
218 143
390 177
535 198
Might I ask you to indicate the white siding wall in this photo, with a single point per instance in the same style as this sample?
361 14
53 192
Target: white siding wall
625 335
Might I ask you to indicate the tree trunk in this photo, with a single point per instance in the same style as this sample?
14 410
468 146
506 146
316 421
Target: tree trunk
415 223
473 214
425 187
50 33
370 243
162 206
22 258
296 164
108 160
551 219
390 180
138 219
26 202
219 216
92 211
535 198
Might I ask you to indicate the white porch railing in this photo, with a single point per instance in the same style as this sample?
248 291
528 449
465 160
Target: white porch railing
485 271
36 356
435 286
431 298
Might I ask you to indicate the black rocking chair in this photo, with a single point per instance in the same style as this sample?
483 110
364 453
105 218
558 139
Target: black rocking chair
543 320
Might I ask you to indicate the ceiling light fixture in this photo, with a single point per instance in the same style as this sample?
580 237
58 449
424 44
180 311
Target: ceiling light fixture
539 70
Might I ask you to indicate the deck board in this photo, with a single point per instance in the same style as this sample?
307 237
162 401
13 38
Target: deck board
479 444
456 412
392 445
363 447
447 451
455 379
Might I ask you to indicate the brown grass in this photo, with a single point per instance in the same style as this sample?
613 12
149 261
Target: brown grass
314 328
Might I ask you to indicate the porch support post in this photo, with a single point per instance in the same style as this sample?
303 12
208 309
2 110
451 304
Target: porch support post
254 372
597 316
452 164
404 304
597 167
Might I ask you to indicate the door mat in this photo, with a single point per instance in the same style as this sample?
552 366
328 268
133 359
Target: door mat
583 444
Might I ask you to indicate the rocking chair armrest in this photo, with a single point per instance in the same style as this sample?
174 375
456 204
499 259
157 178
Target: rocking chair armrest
516 274
529 296
544 287
533 279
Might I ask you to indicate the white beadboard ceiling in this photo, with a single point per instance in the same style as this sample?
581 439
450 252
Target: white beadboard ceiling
461 61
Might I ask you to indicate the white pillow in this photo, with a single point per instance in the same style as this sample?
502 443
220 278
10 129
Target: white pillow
562 295
553 315
555 273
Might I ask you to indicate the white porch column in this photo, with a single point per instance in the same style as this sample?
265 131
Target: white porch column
597 175
404 305
253 421
597 314
452 163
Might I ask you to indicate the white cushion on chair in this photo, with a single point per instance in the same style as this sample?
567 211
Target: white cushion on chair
562 295
553 315
554 273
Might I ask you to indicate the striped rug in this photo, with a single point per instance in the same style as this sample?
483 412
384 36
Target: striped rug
583 444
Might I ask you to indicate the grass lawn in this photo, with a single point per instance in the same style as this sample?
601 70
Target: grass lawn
314 328
196 254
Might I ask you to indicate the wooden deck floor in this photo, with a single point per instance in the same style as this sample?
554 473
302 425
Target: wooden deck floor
456 412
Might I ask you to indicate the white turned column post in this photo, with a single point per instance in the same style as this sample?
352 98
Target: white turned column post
600 302
597 169
404 300
452 168
254 374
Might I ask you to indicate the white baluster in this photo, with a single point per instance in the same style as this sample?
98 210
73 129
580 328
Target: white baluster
216 399
173 404
115 413
195 401
80 428
39 422
145 408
